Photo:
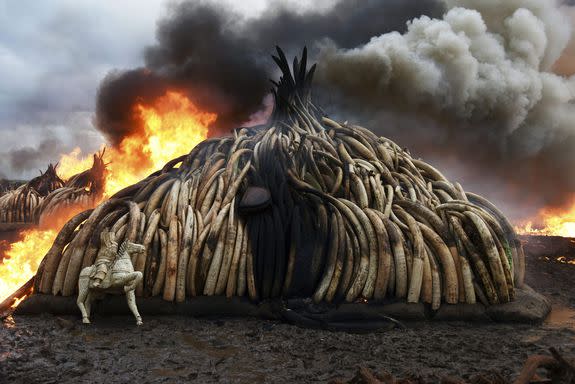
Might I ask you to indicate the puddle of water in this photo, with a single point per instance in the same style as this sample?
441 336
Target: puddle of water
531 339
4 356
90 338
164 372
243 374
561 317
202 346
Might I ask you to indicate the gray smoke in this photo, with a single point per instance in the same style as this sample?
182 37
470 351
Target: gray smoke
471 92
37 146
26 158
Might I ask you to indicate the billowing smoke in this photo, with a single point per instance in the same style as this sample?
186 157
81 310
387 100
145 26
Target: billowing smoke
470 91
462 83
222 59
117 96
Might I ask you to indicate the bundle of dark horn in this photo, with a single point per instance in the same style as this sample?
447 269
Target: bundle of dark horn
303 206
18 205
82 191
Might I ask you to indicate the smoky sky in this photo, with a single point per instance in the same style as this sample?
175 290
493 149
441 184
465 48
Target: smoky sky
53 55
503 130
222 59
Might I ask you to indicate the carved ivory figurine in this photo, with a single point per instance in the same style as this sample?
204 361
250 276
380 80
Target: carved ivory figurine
112 272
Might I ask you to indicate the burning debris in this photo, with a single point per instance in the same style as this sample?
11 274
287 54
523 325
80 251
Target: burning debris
14 299
300 207
19 265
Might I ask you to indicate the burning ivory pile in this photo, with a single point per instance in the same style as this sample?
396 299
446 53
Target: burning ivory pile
80 192
19 205
301 207
47 196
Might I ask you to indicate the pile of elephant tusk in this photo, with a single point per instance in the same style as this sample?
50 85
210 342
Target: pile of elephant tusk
47 196
303 206
19 205
81 191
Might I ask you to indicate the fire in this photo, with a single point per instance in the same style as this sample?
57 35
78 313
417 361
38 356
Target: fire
170 127
22 259
73 163
553 222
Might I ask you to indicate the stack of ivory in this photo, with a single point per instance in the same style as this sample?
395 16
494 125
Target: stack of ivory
80 192
19 205
62 201
351 216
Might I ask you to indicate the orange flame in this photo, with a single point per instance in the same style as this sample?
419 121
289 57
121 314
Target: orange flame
169 128
552 222
73 163
22 259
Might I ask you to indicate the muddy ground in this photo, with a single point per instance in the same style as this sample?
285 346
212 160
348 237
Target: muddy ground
50 349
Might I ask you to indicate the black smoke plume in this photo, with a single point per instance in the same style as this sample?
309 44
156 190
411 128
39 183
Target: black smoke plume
221 60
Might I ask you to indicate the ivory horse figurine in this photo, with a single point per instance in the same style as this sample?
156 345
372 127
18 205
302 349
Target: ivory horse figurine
120 276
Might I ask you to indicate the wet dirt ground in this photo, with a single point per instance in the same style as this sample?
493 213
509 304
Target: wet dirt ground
50 349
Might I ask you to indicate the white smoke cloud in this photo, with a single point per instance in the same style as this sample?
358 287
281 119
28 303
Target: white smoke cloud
486 63
458 64
555 22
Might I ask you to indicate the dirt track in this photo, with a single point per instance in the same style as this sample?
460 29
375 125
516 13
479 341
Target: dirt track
45 349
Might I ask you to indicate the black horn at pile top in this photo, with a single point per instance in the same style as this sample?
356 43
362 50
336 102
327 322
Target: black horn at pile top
291 88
